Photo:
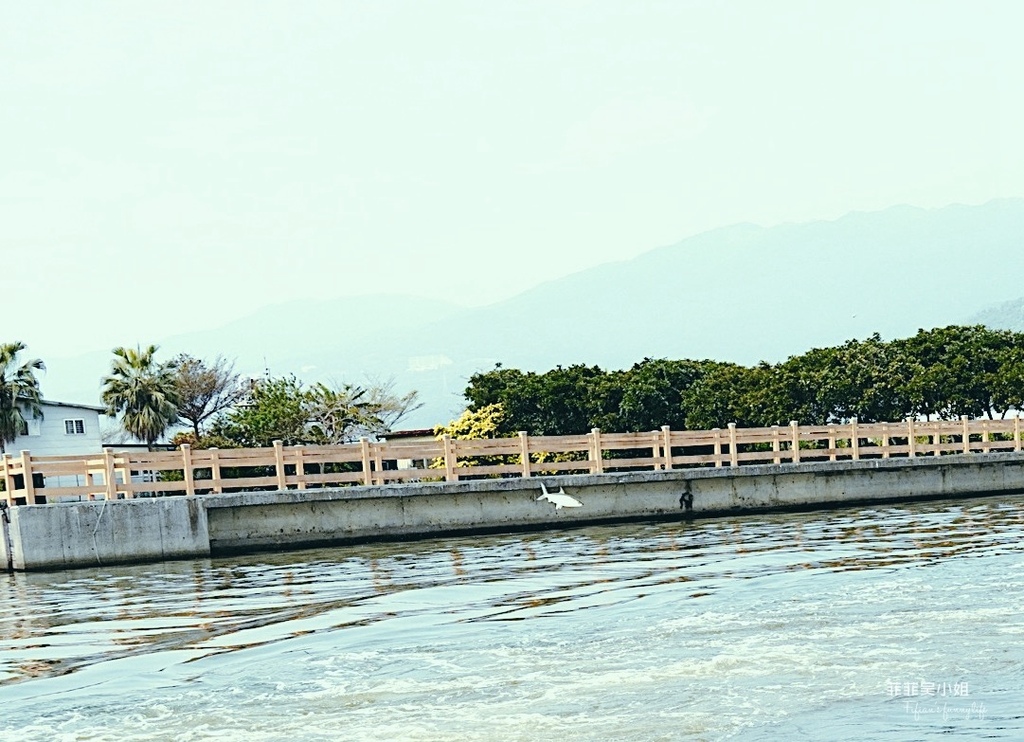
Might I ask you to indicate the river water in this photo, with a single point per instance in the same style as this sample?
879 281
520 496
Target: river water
892 622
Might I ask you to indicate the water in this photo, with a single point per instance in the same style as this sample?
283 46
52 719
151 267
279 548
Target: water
811 626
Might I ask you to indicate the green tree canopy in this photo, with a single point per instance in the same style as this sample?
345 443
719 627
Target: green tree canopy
726 393
562 401
943 373
274 409
962 370
655 393
19 391
287 410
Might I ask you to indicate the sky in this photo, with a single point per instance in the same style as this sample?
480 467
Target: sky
173 166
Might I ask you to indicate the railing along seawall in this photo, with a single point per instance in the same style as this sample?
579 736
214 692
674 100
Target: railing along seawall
189 471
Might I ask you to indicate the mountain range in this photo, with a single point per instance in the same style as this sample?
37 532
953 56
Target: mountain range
742 293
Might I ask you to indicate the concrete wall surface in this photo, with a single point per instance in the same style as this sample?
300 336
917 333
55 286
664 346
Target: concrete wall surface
259 520
830 484
89 534
106 532
269 519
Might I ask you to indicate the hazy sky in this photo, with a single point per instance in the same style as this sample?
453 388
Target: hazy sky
171 165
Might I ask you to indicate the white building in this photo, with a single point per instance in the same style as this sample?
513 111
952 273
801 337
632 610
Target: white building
59 429
63 429
422 435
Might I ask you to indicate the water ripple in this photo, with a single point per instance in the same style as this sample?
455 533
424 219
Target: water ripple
750 627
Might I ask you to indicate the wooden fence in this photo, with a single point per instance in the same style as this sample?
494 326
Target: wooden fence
190 471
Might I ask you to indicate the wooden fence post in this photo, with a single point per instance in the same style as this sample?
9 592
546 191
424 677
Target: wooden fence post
718 445
776 445
1016 433
282 483
26 468
966 434
186 460
596 465
985 437
300 468
666 446
378 461
218 488
126 474
854 439
734 456
885 440
364 445
524 452
449 459
832 443
108 474
8 479
794 431
911 442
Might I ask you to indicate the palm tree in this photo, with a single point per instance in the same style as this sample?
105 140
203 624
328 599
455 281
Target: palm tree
143 390
19 391
336 413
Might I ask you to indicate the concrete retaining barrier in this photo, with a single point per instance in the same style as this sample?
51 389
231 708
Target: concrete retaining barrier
118 531
89 534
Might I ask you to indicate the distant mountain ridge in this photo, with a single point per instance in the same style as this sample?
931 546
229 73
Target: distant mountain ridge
741 293
1008 315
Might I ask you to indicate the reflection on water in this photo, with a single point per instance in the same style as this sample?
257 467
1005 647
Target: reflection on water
760 627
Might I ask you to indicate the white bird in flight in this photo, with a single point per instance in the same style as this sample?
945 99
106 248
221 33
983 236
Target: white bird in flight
560 499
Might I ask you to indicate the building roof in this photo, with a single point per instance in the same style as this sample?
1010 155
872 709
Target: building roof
397 434
73 405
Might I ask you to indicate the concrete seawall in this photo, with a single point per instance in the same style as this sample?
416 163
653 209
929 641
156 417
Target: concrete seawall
68 535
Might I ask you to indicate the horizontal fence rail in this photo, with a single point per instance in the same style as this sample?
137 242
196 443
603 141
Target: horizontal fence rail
31 479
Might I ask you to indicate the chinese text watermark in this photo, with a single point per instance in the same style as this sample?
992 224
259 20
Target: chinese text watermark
938 700
926 688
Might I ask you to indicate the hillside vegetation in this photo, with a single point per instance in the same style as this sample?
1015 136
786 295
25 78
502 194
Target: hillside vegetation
936 374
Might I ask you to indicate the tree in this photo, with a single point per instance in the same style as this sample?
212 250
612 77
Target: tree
335 413
566 403
19 392
727 393
205 390
958 366
606 394
1007 383
509 388
285 409
142 391
477 424
345 412
945 372
802 388
484 422
874 381
388 408
653 392
274 409
562 401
